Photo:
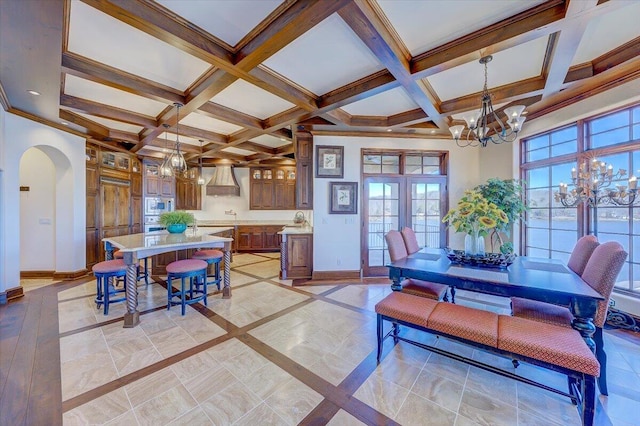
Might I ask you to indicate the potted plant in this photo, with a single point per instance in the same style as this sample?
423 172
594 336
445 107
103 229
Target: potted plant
507 195
476 216
177 221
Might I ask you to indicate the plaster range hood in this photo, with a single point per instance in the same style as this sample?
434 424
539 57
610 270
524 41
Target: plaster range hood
223 182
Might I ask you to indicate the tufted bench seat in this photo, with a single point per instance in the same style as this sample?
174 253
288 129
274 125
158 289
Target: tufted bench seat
553 347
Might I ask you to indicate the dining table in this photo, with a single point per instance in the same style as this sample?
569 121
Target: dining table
546 280
139 246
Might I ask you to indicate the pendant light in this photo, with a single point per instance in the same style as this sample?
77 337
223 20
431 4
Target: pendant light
176 160
165 167
200 177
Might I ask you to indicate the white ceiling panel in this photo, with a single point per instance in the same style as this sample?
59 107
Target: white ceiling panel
171 139
423 25
238 151
606 32
270 141
228 20
112 124
328 56
211 124
104 39
96 92
252 100
387 103
508 66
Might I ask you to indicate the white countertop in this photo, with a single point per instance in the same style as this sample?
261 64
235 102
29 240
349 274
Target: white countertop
232 222
157 239
296 230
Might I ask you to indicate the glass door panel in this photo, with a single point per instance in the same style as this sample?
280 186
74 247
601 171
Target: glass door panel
427 207
383 213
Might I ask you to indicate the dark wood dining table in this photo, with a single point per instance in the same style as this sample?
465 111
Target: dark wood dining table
546 280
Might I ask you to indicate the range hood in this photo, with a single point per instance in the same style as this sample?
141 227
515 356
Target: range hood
223 182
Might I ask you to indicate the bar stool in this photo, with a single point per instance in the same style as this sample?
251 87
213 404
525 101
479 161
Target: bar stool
193 270
103 271
141 274
211 257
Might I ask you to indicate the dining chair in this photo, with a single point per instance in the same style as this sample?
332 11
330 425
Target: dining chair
581 253
397 250
410 240
600 272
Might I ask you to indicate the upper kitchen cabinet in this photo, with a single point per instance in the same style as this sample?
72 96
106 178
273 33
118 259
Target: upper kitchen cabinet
272 188
188 192
156 185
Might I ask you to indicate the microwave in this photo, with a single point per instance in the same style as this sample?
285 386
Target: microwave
156 205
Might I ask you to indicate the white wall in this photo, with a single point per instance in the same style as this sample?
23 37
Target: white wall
37 211
213 207
68 155
337 237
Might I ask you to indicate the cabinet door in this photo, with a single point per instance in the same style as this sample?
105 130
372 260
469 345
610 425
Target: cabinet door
304 185
304 146
271 240
152 186
136 184
267 196
92 179
181 194
299 256
243 241
256 238
280 195
167 187
255 201
92 210
93 247
123 205
136 211
109 196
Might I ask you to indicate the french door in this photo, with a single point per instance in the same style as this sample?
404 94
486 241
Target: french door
394 202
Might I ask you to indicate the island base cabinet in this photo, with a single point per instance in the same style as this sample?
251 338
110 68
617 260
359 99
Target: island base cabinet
299 256
262 238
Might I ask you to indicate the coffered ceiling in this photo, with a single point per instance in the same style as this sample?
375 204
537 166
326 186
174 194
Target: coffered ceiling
248 72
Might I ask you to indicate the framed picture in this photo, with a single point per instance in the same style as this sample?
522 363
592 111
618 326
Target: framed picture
344 197
329 161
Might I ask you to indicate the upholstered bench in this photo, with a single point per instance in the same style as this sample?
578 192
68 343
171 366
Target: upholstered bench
553 347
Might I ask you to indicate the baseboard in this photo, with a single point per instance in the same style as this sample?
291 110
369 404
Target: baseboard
11 293
37 274
71 275
335 275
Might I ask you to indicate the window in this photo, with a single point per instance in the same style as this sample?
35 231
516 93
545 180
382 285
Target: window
551 230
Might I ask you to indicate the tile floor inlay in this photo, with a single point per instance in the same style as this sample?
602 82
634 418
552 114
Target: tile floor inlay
273 354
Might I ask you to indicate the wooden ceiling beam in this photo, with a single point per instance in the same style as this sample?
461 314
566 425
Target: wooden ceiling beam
112 77
209 136
106 111
366 21
564 46
617 56
94 129
221 112
408 118
504 34
251 146
285 149
123 136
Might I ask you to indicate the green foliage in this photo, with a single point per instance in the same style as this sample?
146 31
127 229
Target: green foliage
177 217
475 213
507 194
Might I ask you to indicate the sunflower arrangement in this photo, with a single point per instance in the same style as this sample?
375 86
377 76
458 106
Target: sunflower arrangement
475 215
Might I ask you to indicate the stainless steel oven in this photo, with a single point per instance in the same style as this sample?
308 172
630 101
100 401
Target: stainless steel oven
151 223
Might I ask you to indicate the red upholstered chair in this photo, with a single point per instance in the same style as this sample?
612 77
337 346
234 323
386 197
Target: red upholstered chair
410 240
397 250
581 253
600 273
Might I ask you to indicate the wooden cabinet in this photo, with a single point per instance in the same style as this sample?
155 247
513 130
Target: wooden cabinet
299 254
92 206
154 184
188 194
304 169
258 238
272 188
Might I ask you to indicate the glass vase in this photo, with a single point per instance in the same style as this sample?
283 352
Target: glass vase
474 244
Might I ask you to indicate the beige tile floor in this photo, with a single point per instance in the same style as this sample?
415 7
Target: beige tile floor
323 332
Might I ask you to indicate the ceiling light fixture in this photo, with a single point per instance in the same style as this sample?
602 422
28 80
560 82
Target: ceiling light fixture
64 123
34 92
176 160
200 177
485 125
165 167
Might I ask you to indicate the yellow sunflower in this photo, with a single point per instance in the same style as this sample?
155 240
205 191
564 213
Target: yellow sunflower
487 222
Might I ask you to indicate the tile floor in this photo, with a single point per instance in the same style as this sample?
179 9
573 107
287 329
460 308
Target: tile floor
275 354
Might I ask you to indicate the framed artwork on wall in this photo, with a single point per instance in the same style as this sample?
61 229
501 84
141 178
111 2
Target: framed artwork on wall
343 197
329 161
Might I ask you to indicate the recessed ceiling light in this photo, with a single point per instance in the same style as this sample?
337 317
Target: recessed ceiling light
33 92
388 130
283 139
64 123
433 132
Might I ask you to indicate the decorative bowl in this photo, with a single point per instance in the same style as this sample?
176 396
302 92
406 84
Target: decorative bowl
177 228
488 260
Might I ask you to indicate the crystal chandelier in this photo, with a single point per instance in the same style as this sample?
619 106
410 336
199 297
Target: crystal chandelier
200 177
485 125
176 160
165 167
592 184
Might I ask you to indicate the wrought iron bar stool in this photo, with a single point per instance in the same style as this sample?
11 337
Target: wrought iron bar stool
214 257
192 270
103 271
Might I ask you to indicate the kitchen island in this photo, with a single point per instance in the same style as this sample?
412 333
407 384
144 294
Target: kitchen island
139 246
